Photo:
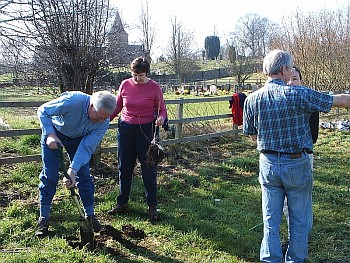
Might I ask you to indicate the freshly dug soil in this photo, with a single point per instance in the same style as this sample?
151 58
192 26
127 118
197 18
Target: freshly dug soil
108 232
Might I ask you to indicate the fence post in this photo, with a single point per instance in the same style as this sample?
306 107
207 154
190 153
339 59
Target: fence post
180 113
235 128
96 156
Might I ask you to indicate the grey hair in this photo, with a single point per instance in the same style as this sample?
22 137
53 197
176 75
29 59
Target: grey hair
275 60
104 100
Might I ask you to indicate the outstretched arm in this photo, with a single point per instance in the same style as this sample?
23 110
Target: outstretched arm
341 100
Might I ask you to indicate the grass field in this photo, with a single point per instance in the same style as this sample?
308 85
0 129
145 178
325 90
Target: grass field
209 201
194 228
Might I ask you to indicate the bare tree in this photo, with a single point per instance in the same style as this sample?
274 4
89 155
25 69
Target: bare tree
15 55
179 52
248 45
241 66
147 30
70 36
319 42
252 34
11 19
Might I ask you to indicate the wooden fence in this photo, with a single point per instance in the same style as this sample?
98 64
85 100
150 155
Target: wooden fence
178 124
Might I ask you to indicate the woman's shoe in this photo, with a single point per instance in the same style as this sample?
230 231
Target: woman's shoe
153 214
119 209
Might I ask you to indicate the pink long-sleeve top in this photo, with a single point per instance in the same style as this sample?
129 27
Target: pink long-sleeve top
139 103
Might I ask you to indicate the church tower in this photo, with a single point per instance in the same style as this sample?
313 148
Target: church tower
119 50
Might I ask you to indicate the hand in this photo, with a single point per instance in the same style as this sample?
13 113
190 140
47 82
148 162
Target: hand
159 121
71 182
52 141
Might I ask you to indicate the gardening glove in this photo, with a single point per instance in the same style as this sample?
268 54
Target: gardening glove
71 182
52 141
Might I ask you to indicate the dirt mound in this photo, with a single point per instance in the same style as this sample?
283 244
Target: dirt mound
108 232
133 232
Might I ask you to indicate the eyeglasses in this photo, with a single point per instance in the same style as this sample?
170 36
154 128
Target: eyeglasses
99 118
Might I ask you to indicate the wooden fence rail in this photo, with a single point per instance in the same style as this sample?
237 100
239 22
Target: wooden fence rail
178 123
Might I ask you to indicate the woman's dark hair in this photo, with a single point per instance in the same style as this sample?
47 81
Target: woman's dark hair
297 70
140 65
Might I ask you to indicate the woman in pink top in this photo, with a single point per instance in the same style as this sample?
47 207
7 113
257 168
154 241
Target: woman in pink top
141 104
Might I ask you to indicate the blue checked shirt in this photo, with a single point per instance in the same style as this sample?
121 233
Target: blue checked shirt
68 114
279 115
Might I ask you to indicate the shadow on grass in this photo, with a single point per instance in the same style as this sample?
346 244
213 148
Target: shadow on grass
118 244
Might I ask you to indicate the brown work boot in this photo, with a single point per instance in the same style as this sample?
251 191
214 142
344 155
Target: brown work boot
153 214
119 209
42 227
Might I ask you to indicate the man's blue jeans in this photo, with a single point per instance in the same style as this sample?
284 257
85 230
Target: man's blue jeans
133 142
280 176
285 206
49 176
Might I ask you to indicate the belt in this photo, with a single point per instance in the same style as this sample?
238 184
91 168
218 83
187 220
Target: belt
291 155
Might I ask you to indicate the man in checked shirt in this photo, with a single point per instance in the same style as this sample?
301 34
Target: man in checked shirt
277 118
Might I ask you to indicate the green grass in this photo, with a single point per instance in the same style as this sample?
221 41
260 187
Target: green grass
193 228
27 93
21 145
6 77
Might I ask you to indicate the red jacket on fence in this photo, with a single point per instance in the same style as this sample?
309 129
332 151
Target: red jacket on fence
236 105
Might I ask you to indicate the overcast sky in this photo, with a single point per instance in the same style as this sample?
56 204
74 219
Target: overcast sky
205 18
